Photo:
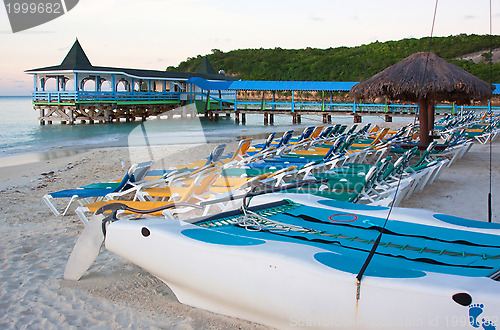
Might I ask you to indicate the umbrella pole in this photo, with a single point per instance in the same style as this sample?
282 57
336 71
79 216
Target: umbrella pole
423 106
430 118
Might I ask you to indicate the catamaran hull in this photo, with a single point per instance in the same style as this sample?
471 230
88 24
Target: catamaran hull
286 285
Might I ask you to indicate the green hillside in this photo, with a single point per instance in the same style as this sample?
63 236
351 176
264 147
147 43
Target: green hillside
345 63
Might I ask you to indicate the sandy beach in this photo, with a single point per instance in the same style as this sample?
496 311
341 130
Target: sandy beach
35 244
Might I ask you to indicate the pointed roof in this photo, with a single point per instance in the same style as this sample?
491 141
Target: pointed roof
205 67
76 59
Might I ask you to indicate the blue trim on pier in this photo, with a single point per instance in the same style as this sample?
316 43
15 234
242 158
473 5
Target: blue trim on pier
102 97
292 85
261 85
209 85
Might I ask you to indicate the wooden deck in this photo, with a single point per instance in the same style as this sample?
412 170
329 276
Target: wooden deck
325 110
70 107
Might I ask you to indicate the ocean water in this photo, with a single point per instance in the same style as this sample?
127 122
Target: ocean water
21 133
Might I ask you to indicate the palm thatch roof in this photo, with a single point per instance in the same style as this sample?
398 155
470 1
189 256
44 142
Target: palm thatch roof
424 75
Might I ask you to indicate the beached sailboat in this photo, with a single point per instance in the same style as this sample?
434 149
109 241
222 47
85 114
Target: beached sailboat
290 260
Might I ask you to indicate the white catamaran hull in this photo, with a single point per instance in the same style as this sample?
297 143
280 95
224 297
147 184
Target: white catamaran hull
283 284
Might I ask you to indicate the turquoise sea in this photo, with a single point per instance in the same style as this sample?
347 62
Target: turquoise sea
21 133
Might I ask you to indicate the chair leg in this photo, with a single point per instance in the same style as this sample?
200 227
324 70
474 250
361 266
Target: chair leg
431 172
411 188
47 200
73 198
438 172
139 195
455 156
404 186
80 211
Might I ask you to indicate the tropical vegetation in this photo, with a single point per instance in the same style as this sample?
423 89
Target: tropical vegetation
348 63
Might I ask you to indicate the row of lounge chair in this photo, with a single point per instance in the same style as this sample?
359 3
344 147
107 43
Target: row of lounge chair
365 165
483 128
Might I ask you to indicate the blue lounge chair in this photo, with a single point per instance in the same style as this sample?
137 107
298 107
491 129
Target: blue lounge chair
134 175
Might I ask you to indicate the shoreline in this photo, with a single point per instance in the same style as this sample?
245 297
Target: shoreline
31 157
40 156
35 244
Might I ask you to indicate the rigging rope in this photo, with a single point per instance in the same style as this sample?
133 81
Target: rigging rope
377 241
491 118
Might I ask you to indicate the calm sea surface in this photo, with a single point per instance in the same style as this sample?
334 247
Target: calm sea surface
21 133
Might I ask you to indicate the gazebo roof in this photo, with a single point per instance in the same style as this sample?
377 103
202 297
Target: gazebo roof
206 67
77 60
424 75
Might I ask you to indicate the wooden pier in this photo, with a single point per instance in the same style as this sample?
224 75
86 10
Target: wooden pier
78 92
327 117
330 111
101 107
242 98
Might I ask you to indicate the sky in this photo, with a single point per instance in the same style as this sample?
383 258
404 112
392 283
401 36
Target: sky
154 34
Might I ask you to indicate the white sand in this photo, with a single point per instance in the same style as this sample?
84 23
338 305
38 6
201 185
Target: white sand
462 189
35 244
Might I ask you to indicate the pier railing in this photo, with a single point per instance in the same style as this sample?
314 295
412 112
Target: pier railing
227 102
315 106
71 97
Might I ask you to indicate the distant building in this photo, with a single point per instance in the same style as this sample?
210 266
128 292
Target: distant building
82 91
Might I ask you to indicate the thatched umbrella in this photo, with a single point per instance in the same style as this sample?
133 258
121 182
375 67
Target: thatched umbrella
424 78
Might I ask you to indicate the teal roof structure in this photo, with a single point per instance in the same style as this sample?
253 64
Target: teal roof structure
210 85
261 85
257 85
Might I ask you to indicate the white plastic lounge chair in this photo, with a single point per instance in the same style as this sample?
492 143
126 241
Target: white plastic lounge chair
129 182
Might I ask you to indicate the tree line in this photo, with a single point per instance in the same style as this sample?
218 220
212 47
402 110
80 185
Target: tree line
347 63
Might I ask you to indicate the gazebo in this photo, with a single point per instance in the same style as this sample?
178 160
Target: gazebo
113 94
426 79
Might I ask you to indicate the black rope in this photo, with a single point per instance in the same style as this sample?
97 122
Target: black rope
424 76
490 114
377 242
117 206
